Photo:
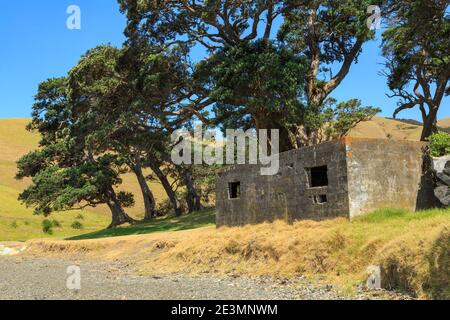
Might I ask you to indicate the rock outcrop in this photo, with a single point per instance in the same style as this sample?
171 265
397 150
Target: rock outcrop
442 167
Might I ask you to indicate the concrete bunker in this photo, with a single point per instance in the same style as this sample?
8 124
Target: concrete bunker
343 178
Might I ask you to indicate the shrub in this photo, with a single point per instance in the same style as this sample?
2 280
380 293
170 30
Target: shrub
77 225
440 144
47 226
56 223
14 225
165 207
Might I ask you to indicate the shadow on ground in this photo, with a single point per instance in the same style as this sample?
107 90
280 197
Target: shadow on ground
185 222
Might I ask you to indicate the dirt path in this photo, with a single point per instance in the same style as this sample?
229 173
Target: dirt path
46 279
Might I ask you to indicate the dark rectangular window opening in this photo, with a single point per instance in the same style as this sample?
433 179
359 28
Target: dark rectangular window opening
234 190
320 199
319 177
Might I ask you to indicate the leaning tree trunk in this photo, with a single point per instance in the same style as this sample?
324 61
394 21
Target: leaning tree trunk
192 198
149 199
119 216
429 126
285 142
166 185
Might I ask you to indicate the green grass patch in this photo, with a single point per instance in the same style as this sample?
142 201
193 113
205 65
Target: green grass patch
17 223
386 215
186 222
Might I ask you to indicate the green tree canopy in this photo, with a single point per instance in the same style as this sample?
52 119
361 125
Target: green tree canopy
416 45
65 172
252 77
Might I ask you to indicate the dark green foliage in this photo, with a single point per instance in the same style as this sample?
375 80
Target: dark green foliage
135 92
251 78
58 189
116 109
439 144
77 225
47 226
73 167
342 117
257 85
260 77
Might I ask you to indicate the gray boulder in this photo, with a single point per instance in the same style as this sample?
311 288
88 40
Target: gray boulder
442 168
443 177
447 168
443 194
442 163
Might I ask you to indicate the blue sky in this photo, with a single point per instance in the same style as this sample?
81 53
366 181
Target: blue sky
36 45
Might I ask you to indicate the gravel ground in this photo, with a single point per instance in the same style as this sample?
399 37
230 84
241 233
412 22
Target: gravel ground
45 279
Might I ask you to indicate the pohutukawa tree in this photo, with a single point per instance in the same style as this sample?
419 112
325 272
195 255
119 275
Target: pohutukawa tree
66 174
101 100
416 45
215 24
257 85
251 75
165 97
135 96
330 34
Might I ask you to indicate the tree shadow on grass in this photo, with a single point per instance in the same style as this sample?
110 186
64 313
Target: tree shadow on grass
186 222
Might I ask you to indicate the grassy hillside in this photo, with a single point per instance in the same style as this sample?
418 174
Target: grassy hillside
382 128
413 250
16 221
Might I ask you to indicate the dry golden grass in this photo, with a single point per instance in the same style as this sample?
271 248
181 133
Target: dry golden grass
444 123
413 250
382 128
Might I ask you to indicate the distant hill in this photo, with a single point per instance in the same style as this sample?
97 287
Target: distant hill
397 129
444 123
384 128
18 222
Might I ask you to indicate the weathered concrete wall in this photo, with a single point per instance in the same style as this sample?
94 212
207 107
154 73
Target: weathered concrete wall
383 174
287 195
363 175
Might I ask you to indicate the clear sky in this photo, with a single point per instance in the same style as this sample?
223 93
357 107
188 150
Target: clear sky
36 45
